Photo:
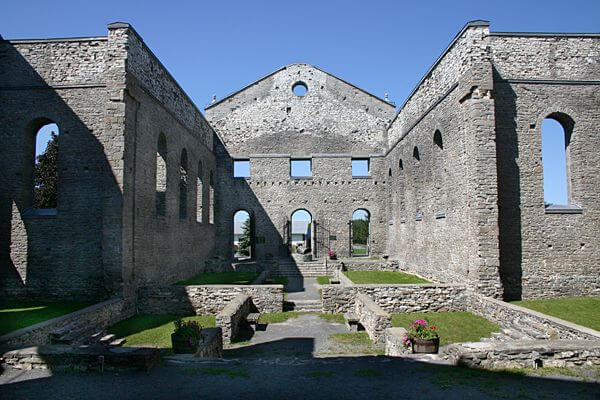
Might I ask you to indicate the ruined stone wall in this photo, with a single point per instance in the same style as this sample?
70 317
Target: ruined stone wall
443 208
59 253
171 247
547 254
269 125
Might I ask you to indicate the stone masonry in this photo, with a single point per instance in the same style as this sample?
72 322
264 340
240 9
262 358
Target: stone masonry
146 193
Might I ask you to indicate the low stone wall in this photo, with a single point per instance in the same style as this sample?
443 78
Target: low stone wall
368 265
393 342
344 280
98 316
205 299
425 297
529 323
528 353
212 343
82 358
233 316
372 318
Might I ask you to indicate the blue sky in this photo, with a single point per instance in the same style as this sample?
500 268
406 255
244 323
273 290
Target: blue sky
219 47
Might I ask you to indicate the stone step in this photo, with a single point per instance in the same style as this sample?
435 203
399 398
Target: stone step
117 342
107 338
306 305
59 332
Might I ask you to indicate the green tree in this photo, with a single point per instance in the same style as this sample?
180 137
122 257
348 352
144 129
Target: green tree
46 175
360 230
246 238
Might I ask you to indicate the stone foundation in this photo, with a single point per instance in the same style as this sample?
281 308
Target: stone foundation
525 354
207 299
396 298
393 342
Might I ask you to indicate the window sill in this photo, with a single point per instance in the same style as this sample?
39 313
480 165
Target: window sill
241 177
361 176
300 177
40 213
563 209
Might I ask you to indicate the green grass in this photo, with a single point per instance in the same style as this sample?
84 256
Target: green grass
153 330
280 280
221 278
383 277
353 343
20 314
359 252
323 280
579 310
453 327
335 318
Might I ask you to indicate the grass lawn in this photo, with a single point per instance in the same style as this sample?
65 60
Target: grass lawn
453 327
20 314
353 343
579 310
154 330
323 280
383 277
359 252
278 317
221 278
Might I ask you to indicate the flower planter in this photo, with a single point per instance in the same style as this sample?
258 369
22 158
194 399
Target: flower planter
425 346
184 345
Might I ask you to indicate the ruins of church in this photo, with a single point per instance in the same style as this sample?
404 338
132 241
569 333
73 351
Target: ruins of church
451 184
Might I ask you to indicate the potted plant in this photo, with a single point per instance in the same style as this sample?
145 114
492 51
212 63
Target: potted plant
186 337
422 337
331 254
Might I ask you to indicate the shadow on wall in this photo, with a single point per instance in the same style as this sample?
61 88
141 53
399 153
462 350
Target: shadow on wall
235 194
75 253
509 190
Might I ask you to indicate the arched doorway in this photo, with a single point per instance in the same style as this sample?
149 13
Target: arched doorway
243 235
300 232
359 235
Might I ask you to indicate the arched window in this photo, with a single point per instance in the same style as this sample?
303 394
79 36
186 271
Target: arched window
556 136
44 168
400 165
360 232
211 198
161 176
243 235
416 155
183 186
390 172
437 139
199 189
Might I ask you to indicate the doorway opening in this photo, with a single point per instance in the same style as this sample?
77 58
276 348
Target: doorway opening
243 235
301 232
359 233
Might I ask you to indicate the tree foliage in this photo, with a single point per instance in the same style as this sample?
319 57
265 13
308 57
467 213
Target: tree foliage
360 230
46 175
245 243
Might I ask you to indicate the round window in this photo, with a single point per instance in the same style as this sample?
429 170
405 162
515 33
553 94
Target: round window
299 89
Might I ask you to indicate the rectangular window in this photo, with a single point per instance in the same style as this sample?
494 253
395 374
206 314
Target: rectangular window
360 167
300 168
241 168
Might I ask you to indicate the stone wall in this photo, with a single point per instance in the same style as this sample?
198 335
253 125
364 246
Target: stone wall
231 318
525 354
393 342
205 300
396 298
443 207
99 317
269 125
529 323
372 317
67 252
547 254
